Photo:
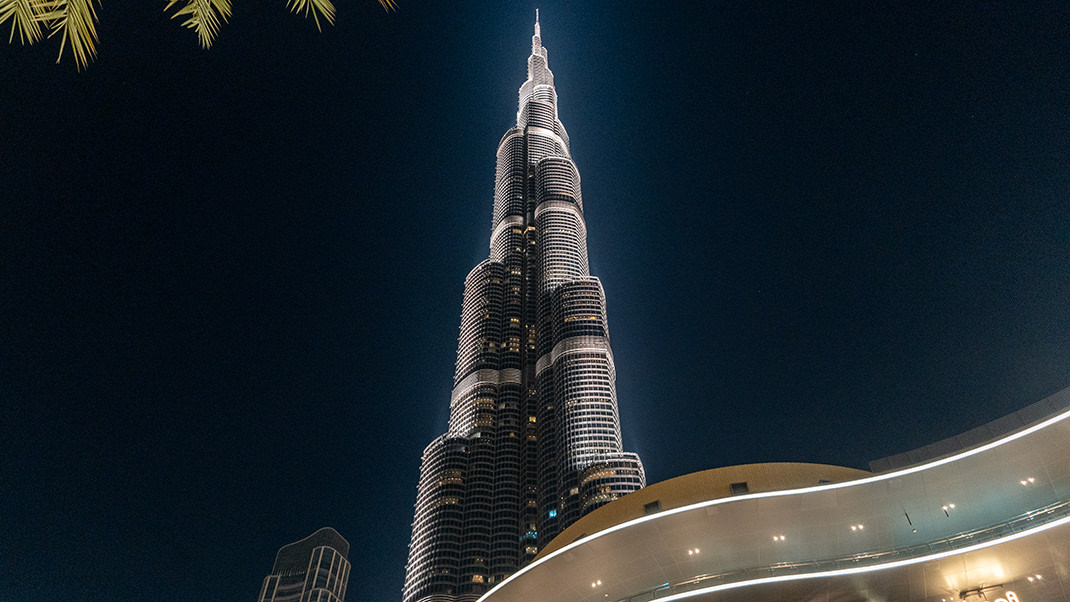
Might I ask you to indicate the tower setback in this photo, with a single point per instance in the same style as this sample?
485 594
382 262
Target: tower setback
534 437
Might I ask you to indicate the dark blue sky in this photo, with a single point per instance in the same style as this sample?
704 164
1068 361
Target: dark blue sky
230 281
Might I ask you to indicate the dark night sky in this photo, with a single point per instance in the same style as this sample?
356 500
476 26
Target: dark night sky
230 281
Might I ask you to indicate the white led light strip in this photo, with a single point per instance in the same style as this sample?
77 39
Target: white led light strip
866 569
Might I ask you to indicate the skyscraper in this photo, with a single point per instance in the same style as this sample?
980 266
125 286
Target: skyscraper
314 569
534 434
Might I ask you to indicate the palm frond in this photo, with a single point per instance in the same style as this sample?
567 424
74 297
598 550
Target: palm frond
388 5
25 18
77 19
316 7
204 16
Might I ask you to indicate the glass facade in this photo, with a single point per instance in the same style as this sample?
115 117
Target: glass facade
534 433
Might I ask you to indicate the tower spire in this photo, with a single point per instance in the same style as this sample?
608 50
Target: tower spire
538 33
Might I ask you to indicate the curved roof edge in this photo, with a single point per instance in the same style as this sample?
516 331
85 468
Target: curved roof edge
700 486
1015 421
294 556
986 475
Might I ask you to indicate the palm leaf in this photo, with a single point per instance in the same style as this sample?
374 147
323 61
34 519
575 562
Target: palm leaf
204 16
77 19
388 5
25 18
316 7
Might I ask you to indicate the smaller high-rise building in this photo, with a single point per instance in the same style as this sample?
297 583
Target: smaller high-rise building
314 569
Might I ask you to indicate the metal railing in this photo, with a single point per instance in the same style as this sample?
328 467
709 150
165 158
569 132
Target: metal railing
965 539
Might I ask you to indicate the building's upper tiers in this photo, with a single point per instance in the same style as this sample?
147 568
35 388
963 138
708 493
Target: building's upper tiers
537 106
539 74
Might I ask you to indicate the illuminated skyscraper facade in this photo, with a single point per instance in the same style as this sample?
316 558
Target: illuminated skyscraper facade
534 434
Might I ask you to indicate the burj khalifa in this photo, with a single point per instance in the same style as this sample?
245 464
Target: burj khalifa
534 439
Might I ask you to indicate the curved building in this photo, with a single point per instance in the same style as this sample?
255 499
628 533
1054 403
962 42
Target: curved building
534 433
981 516
314 569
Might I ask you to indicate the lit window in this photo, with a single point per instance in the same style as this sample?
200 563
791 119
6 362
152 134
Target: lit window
553 513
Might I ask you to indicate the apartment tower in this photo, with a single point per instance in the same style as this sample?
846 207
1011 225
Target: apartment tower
314 569
534 437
